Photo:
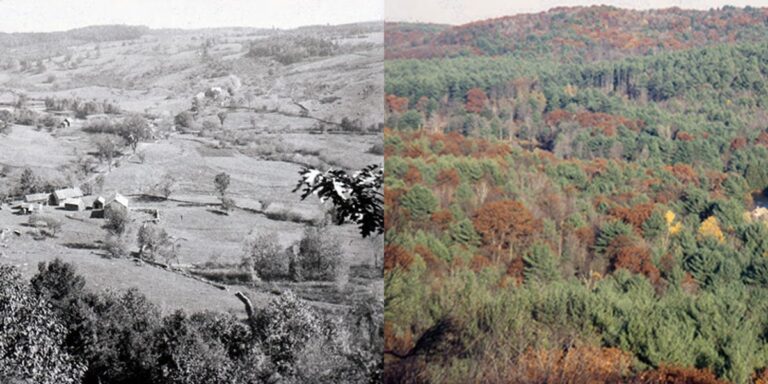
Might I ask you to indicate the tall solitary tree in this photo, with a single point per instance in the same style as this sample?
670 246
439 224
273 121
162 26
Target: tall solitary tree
134 129
221 182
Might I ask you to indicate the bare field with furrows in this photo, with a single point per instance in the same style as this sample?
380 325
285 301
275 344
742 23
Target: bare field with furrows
214 104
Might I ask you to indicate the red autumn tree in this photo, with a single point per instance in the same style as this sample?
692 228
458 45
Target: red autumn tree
442 219
635 216
505 225
412 176
396 256
396 104
627 253
762 139
447 177
684 136
738 143
476 100
684 173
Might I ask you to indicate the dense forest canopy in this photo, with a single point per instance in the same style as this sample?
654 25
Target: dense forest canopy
579 33
586 216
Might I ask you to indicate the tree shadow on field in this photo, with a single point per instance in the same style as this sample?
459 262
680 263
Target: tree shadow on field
144 198
79 245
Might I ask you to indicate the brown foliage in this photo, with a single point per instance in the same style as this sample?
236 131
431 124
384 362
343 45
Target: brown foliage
760 377
762 139
684 173
586 234
515 270
601 122
479 262
442 219
738 143
448 177
396 256
476 100
412 176
396 104
505 225
578 365
434 265
677 375
635 216
394 216
684 136
627 253
593 33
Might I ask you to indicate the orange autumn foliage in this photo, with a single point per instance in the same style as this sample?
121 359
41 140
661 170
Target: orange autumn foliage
586 235
760 377
585 364
412 176
678 375
396 256
629 254
504 225
684 173
634 216
396 104
414 151
442 219
476 100
448 177
603 122
684 136
515 270
479 262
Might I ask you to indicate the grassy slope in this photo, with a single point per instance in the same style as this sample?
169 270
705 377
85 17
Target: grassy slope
159 74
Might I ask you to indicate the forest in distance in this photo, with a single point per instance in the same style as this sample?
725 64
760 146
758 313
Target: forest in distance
578 196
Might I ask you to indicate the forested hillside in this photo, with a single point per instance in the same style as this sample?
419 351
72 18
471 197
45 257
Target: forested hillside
579 213
579 33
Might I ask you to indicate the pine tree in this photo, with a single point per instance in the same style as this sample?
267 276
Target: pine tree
540 264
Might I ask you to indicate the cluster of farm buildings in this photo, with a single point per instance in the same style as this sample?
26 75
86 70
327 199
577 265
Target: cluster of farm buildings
70 199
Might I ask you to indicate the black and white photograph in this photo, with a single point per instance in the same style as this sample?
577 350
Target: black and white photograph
191 191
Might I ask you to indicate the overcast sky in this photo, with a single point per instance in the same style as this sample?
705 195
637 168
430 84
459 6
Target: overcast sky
57 15
463 11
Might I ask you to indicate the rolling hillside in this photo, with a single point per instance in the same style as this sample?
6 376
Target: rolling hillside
579 33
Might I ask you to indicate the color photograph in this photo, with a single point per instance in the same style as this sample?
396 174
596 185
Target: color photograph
575 192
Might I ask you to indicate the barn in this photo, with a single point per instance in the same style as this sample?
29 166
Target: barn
29 208
58 197
41 198
99 203
75 204
117 201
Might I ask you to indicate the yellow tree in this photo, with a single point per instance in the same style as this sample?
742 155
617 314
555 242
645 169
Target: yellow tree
711 228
